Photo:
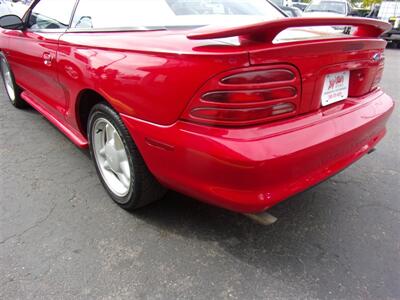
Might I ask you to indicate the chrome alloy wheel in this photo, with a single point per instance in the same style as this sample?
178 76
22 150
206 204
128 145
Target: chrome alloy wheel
111 157
8 80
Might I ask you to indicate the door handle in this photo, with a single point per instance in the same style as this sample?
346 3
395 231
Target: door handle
47 59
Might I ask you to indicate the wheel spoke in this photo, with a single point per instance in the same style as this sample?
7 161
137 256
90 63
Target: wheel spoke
123 179
121 154
118 145
106 166
109 133
102 151
125 168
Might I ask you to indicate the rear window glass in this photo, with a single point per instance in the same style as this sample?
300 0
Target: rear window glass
105 14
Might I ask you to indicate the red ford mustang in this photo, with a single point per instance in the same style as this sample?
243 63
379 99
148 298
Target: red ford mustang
227 101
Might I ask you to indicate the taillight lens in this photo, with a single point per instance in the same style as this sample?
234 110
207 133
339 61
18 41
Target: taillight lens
248 97
379 72
378 78
262 76
242 115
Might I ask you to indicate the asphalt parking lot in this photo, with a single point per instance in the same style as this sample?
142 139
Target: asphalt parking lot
61 237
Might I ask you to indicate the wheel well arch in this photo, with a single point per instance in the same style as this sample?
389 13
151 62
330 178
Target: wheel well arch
86 100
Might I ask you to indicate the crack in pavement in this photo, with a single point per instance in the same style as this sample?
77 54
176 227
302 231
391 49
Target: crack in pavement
36 224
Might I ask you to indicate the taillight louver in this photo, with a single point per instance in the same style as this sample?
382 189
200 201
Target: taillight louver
247 97
259 77
242 114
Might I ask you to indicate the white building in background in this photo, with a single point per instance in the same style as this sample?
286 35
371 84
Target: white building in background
10 7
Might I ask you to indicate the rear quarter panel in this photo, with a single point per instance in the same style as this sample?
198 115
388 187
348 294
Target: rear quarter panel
148 76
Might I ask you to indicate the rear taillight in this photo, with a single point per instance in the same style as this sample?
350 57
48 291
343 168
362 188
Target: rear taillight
247 97
378 78
379 71
367 78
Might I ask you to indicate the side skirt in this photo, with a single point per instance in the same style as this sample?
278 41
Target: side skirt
74 135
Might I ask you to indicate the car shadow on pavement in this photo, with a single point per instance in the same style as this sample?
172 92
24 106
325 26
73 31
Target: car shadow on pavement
291 246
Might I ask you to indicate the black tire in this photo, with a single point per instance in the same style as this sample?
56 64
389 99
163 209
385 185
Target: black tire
144 189
17 101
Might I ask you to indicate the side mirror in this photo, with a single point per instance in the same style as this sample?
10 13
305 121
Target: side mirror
11 22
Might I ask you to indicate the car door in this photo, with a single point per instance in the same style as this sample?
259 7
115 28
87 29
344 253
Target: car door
32 53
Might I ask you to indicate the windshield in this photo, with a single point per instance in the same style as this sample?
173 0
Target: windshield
278 2
105 14
327 6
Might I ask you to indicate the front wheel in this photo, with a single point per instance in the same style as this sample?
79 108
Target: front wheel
13 91
118 162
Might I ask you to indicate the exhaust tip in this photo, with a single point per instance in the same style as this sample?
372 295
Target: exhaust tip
263 218
372 150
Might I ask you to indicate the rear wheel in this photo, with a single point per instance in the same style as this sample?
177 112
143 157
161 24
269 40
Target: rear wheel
118 162
13 91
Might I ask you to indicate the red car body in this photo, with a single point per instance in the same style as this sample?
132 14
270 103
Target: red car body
162 84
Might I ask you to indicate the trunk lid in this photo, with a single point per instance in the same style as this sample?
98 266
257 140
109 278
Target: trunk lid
363 58
316 50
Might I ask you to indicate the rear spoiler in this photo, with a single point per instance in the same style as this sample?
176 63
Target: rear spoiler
267 31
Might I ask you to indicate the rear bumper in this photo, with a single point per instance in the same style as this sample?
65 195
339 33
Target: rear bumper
251 169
